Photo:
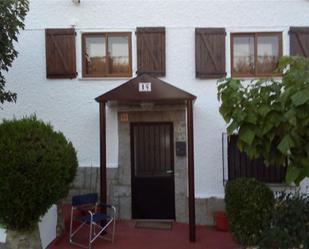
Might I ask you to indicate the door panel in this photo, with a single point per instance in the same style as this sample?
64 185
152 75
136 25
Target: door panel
152 163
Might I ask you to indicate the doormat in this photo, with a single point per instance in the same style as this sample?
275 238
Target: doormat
161 225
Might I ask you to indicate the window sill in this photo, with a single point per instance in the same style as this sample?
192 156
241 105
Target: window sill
256 77
103 78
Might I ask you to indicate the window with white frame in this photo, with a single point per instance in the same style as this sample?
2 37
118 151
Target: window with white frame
106 54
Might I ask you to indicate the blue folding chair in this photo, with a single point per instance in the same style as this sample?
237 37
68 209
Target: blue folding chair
85 211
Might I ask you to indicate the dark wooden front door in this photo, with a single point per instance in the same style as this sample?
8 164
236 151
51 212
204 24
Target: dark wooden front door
152 160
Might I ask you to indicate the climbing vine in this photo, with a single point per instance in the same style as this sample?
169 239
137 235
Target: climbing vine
271 116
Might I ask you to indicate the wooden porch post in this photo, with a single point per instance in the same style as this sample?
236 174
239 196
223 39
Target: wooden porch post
191 170
103 185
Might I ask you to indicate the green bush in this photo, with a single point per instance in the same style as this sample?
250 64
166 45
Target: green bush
289 224
37 166
248 205
271 116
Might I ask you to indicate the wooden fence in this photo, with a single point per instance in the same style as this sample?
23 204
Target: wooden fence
239 165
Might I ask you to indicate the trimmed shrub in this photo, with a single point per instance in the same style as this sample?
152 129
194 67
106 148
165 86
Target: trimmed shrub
289 224
37 166
248 205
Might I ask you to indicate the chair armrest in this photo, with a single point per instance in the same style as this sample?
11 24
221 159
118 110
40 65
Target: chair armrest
106 205
85 210
113 208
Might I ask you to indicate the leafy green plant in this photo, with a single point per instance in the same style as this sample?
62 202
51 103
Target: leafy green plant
37 166
12 16
271 116
248 206
289 223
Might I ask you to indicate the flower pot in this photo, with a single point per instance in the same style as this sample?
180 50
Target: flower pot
221 221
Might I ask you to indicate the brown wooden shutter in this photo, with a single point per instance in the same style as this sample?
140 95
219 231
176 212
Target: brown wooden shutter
60 53
299 41
210 52
151 51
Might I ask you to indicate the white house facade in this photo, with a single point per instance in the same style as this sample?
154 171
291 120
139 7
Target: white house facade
196 35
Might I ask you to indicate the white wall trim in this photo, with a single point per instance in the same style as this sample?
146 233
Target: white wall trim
47 226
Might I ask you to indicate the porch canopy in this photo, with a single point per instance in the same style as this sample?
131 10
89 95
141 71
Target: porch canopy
147 89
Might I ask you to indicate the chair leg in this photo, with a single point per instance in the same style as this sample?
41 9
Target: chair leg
71 224
90 235
114 227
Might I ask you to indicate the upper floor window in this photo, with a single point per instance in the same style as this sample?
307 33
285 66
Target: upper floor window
106 54
255 54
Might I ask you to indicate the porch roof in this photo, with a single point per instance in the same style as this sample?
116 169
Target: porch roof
145 88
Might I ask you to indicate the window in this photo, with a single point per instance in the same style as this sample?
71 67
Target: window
106 54
255 54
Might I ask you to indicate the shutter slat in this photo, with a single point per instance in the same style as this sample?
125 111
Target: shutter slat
210 52
218 31
150 30
239 165
151 51
299 41
60 53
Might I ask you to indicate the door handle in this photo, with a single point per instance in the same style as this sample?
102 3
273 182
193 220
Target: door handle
169 171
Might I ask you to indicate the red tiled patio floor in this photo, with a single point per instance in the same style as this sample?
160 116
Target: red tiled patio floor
128 237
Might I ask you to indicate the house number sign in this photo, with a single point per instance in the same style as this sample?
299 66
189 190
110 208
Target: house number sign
144 87
124 117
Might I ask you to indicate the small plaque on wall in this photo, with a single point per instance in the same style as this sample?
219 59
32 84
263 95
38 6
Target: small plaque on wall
181 148
124 117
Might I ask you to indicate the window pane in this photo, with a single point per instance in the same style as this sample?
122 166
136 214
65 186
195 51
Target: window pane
243 55
268 53
118 53
95 55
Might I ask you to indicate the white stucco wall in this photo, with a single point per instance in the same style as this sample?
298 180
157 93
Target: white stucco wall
47 227
2 235
69 104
